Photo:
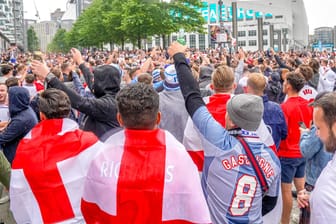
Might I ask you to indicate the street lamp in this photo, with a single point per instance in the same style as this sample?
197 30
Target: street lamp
221 25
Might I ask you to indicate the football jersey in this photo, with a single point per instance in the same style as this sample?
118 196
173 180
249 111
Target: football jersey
229 182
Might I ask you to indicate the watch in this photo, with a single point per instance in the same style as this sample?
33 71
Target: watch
49 77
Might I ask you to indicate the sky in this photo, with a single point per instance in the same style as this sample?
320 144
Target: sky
319 12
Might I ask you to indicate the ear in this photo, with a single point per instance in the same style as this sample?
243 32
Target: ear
158 118
43 117
119 118
333 128
211 86
234 86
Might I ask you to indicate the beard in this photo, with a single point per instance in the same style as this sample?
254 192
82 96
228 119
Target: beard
330 144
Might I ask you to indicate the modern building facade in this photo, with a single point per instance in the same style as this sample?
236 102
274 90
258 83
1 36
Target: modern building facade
80 5
11 20
45 32
324 39
283 25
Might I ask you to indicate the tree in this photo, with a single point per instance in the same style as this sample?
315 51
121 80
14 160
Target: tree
59 42
33 41
115 21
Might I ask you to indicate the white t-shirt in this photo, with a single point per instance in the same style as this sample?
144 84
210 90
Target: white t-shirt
308 93
326 81
323 197
4 113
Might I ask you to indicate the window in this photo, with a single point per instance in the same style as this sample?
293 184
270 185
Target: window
252 43
241 33
265 32
192 41
278 17
242 43
201 41
174 38
265 42
252 33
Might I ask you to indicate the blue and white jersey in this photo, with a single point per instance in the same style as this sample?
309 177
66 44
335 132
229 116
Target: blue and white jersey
229 182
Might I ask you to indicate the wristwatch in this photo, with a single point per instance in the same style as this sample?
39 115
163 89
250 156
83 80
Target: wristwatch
49 77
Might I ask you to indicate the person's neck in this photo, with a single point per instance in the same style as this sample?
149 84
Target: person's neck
292 94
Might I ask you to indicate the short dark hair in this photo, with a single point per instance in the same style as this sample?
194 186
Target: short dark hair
12 81
30 78
306 71
5 69
296 80
145 78
138 105
54 104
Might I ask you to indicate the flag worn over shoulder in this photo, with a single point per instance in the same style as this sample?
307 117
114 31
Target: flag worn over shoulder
143 177
48 172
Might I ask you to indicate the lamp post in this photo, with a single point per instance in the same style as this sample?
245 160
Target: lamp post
221 25
235 23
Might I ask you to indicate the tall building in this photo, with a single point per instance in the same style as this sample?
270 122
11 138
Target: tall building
56 15
11 20
324 38
80 5
45 31
282 25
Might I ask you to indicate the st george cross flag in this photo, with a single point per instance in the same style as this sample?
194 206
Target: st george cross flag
143 177
193 141
48 172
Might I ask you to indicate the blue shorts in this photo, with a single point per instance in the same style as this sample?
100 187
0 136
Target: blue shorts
292 168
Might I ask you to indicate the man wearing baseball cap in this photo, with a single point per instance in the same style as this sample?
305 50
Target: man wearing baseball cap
241 175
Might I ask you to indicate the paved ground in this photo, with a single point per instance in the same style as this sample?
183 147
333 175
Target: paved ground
295 213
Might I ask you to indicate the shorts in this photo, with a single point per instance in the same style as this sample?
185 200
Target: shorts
292 168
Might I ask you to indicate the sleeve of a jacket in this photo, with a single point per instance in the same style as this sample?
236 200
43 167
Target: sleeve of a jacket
310 144
281 64
85 105
13 130
77 84
188 84
5 170
88 76
239 70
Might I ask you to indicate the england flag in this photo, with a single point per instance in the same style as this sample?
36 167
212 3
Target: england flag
48 172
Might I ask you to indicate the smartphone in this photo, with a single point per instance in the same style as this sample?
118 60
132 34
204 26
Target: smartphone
302 125
38 56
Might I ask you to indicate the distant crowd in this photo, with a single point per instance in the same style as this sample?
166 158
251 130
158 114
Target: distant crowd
174 135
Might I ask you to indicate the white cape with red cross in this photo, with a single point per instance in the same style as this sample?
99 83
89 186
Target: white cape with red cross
48 172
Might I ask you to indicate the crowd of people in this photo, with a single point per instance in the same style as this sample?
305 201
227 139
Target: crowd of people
174 135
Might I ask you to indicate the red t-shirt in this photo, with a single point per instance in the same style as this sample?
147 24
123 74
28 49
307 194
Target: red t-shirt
295 109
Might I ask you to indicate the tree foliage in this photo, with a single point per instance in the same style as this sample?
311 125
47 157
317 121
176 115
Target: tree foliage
115 21
59 42
33 41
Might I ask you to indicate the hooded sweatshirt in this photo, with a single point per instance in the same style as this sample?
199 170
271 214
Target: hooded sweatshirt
23 119
101 111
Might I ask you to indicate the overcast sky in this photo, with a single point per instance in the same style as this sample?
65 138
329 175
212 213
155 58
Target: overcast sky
319 12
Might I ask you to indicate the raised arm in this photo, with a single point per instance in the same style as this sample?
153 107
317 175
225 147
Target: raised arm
188 84
78 59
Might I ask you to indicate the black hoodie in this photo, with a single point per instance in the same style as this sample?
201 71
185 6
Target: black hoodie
101 111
